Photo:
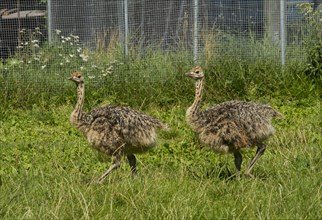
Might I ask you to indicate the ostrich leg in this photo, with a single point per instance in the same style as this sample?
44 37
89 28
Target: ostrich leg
238 162
132 161
260 150
115 164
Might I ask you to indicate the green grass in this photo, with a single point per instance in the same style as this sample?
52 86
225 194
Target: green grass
48 171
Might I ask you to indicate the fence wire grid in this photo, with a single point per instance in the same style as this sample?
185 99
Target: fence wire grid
249 29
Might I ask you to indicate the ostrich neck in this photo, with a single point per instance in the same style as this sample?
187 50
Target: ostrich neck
194 108
78 111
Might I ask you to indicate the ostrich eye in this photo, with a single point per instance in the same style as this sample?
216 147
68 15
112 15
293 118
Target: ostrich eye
78 76
197 71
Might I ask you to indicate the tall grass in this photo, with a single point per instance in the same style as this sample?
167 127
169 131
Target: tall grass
157 77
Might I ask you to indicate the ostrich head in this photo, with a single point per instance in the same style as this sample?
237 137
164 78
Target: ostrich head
195 73
77 77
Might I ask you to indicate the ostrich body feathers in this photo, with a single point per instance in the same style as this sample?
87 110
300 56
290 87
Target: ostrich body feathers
233 125
110 128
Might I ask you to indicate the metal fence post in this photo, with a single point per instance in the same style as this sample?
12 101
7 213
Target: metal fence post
122 12
283 30
195 31
49 21
126 28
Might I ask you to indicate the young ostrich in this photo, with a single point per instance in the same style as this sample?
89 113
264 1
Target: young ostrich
114 130
231 126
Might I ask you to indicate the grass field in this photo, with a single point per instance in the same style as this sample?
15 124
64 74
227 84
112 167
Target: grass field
48 171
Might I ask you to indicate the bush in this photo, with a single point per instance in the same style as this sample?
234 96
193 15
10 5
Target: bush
313 40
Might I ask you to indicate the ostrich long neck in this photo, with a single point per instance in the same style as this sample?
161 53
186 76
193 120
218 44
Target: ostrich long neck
194 108
78 111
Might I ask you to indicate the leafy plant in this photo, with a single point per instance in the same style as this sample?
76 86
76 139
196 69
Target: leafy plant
313 40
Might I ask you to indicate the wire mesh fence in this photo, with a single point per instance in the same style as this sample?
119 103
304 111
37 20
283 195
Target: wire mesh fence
247 29
172 24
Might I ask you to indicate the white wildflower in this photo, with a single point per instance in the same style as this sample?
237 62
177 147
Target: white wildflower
61 64
71 55
58 31
43 67
14 62
74 36
84 57
79 50
91 77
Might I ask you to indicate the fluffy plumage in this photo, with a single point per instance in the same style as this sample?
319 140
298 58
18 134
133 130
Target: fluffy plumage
231 126
114 130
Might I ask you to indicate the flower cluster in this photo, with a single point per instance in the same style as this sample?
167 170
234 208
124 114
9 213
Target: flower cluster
103 70
64 53
70 49
29 40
